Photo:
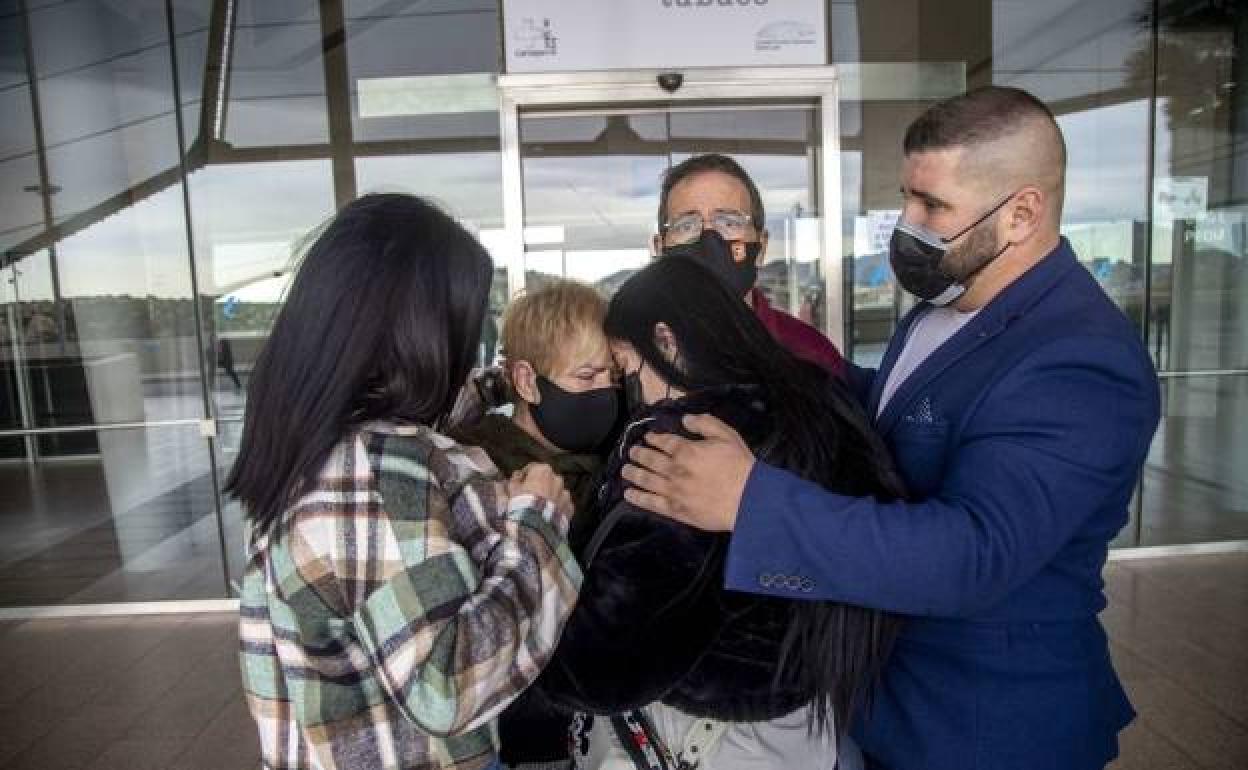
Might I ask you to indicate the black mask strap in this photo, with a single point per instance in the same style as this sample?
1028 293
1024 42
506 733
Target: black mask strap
979 268
979 221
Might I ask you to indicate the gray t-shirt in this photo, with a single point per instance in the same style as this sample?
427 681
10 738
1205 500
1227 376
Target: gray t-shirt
927 334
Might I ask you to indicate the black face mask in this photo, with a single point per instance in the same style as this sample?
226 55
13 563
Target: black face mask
575 422
916 253
734 262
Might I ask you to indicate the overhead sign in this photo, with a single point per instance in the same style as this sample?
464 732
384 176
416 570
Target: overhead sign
563 36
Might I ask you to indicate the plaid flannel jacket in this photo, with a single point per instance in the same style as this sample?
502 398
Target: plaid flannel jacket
401 604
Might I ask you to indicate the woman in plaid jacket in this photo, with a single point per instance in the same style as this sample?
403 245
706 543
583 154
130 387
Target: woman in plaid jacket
397 594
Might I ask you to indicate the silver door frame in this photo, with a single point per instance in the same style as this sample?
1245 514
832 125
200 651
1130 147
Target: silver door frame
518 93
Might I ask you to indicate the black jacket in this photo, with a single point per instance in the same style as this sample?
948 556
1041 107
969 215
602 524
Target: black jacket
654 622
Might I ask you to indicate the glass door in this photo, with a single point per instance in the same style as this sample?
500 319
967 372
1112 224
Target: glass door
591 188
584 156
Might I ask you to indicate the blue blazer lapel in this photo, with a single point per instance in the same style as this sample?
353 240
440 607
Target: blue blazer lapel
991 321
967 339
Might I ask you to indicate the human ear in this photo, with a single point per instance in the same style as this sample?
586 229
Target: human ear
1024 215
762 247
665 341
656 245
524 381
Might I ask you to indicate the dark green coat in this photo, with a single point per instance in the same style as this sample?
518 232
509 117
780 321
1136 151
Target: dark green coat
511 448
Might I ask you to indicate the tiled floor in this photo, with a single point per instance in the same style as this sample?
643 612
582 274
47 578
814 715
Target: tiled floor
135 523
133 693
1179 632
163 692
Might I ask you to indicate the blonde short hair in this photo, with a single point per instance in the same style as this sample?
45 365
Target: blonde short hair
553 324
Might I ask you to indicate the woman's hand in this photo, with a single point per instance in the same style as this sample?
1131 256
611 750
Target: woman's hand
540 480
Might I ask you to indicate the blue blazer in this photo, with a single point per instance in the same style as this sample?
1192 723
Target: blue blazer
1021 440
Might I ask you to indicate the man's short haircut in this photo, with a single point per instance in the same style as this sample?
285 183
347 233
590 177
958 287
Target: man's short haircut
987 115
978 117
712 161
553 324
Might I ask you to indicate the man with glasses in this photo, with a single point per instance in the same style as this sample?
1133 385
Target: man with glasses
712 194
1019 404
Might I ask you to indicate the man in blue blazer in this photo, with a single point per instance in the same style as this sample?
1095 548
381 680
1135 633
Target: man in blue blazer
1019 404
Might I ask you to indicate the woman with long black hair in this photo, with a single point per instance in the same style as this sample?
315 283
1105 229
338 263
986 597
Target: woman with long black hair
397 595
723 679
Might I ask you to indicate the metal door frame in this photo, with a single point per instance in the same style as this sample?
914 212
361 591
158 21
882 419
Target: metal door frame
573 90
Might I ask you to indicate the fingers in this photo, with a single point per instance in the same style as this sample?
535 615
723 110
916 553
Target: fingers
538 479
667 443
541 477
536 471
652 460
709 427
646 480
650 502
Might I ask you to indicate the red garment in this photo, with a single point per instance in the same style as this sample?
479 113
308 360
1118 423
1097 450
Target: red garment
801 339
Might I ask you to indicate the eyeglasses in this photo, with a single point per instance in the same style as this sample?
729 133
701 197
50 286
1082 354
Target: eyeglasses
733 225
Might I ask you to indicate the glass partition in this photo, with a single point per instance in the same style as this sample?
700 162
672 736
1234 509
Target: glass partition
140 267
591 189
1194 487
109 487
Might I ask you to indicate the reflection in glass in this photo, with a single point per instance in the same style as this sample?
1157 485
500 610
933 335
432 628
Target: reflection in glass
1199 229
591 187
108 328
135 522
277 75
106 101
467 186
1107 198
434 60
21 216
1198 322
1091 62
591 190
251 222
1194 486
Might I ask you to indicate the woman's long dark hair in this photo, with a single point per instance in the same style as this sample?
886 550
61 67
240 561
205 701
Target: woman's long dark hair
819 432
383 321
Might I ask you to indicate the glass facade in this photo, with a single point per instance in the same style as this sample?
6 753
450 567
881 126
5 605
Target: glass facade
163 161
